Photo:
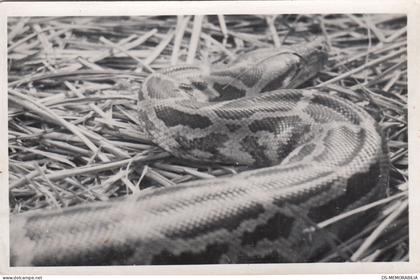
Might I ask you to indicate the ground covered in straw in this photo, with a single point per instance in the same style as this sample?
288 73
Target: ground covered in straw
74 134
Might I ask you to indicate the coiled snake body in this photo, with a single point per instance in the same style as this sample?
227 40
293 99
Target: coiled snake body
318 155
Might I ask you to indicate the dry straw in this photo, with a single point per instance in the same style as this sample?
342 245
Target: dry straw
74 136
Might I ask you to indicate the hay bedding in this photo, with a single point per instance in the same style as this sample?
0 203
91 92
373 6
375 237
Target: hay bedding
74 136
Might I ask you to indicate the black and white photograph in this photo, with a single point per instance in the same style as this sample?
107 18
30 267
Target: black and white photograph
203 139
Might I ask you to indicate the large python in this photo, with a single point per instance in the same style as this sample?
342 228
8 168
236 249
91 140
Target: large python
317 155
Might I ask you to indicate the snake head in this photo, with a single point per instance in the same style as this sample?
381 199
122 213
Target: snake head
315 53
291 66
270 69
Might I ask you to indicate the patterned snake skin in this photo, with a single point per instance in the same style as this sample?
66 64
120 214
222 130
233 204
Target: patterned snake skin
317 156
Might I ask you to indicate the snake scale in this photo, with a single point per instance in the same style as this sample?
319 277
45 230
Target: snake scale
315 155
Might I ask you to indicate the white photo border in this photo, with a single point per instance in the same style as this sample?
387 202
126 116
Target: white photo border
410 8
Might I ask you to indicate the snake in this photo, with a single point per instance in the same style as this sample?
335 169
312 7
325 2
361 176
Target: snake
310 156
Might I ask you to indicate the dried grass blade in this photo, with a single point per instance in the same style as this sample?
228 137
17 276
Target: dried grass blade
378 33
138 60
66 147
270 22
52 156
159 48
377 50
381 76
24 179
223 28
122 44
395 77
90 169
377 232
183 169
18 28
364 66
21 41
195 36
180 30
397 34
218 45
157 177
91 105
45 112
104 143
355 211
44 190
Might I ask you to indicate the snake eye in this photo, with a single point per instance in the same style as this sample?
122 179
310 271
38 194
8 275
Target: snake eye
200 85
185 87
